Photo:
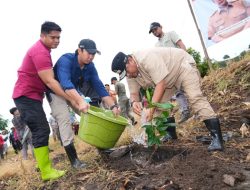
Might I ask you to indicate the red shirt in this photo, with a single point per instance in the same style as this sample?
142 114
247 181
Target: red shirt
1 141
29 84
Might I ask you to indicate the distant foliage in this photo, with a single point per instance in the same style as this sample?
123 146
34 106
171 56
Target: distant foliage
242 54
202 66
226 57
3 123
196 55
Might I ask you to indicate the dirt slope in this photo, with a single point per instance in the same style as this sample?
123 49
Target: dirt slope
181 164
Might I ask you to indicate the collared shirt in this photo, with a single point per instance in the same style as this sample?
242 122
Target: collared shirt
169 39
29 83
160 63
230 19
69 74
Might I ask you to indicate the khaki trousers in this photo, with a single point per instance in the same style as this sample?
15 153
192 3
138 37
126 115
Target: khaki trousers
190 84
60 111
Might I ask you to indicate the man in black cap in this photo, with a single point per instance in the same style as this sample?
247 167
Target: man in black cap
172 39
167 70
123 100
72 71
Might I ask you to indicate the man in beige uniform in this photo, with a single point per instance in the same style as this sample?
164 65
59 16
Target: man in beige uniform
167 70
230 18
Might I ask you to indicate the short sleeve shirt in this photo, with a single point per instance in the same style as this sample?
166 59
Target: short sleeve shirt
157 64
168 39
29 84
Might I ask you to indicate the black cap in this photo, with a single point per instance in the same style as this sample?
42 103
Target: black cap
119 64
113 78
153 25
89 46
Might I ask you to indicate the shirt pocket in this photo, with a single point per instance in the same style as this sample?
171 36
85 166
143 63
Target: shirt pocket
219 24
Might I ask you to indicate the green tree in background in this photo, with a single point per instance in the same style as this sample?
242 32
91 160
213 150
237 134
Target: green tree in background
203 67
242 54
226 56
196 55
3 123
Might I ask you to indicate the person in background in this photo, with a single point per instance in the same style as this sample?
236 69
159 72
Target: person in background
14 141
55 128
123 100
112 94
1 147
172 39
75 127
23 134
72 70
4 150
171 70
35 76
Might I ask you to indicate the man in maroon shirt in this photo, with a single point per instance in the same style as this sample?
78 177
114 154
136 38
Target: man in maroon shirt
34 76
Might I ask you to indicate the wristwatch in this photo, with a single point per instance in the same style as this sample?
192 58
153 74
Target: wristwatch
114 106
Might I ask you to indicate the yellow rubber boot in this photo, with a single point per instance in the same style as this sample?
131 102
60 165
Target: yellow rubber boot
42 158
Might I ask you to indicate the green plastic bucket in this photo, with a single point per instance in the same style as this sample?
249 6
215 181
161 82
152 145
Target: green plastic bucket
100 128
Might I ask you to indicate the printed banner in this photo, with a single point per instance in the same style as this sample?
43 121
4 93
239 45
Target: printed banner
221 19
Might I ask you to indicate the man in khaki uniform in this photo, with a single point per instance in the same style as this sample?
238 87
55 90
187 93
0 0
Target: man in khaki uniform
172 39
230 18
167 70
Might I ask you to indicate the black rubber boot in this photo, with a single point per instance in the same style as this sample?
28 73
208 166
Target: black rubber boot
185 115
72 155
171 131
213 125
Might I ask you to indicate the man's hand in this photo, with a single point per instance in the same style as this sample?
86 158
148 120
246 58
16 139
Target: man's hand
137 107
116 111
74 104
83 107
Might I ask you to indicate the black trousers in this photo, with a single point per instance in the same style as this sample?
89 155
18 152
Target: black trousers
33 114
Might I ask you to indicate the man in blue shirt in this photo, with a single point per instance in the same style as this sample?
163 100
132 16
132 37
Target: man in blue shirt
76 72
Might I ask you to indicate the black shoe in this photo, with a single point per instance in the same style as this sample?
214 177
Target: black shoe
185 115
213 125
77 164
72 155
